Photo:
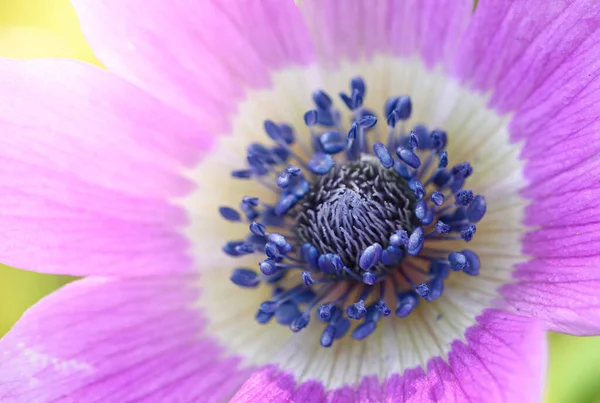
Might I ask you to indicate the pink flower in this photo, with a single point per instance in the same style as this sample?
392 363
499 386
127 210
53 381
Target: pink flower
118 175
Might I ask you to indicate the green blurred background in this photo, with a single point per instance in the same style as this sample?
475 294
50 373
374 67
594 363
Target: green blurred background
49 28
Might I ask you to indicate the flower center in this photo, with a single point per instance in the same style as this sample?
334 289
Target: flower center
354 229
352 207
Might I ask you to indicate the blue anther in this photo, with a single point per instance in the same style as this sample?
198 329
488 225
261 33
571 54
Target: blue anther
285 204
268 306
442 227
242 174
408 157
458 261
436 288
476 209
307 278
370 256
310 118
273 131
229 214
369 278
422 290
301 188
322 100
250 201
353 131
300 322
423 137
287 133
278 240
429 217
416 241
263 317
391 255
399 107
292 170
245 278
437 198
382 308
439 268
230 248
463 170
286 313
399 238
281 153
407 302
439 139
283 180
413 141
368 121
330 263
347 101
383 154
357 99
421 209
467 232
441 178
324 311
464 197
320 164
245 248
358 84
310 255
272 251
267 267
332 142
364 330
401 169
443 163
417 187
258 228
473 260
328 336
356 310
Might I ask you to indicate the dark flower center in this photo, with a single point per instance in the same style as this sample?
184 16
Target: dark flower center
354 228
353 207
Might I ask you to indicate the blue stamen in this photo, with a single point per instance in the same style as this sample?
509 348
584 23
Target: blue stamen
229 214
370 256
347 220
245 278
476 209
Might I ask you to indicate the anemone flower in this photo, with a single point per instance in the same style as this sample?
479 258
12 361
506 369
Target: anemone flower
331 201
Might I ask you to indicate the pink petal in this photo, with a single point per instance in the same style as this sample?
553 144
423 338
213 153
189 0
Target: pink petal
88 163
266 385
540 59
199 56
353 29
99 340
503 361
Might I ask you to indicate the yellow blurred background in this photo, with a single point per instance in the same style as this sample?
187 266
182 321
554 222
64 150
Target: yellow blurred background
49 28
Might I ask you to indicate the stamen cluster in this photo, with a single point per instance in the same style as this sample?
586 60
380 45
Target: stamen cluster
355 227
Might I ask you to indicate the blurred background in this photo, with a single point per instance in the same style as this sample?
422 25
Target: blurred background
49 28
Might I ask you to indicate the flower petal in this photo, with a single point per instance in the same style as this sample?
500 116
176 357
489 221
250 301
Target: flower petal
75 143
198 56
539 59
503 360
99 339
361 29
